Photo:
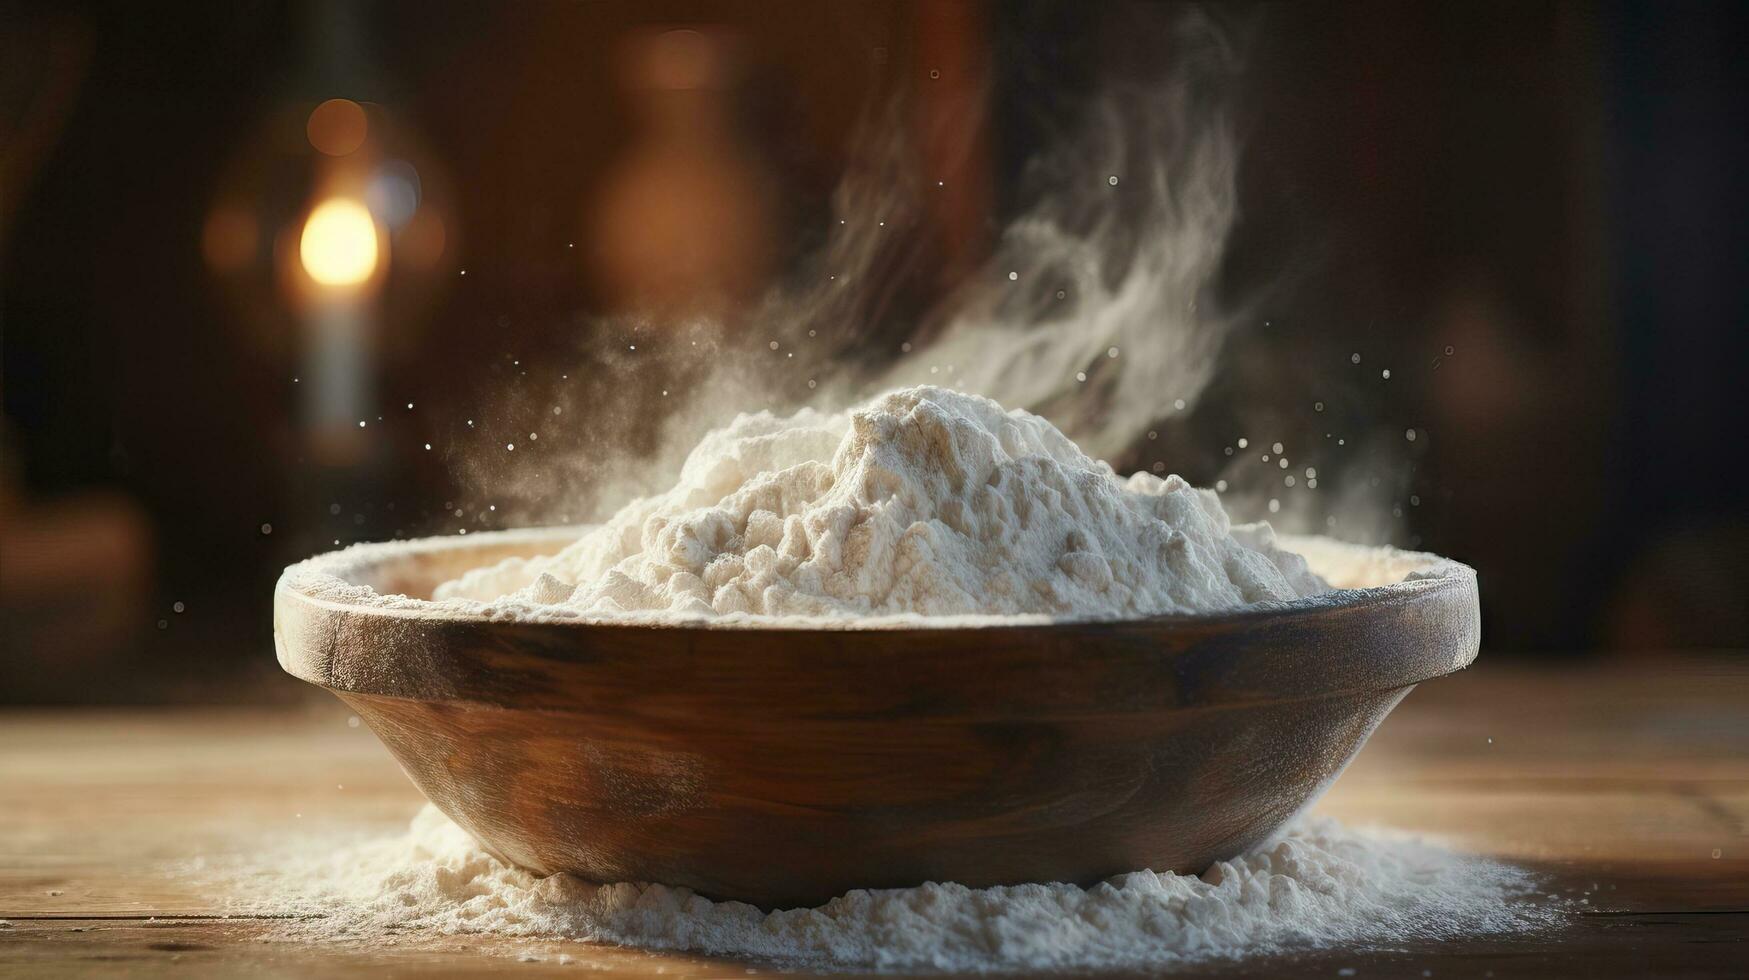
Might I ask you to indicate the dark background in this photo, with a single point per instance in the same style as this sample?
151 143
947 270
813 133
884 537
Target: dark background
1553 192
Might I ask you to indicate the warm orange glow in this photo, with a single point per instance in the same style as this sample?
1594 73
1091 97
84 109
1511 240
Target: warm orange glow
229 238
421 242
339 244
337 127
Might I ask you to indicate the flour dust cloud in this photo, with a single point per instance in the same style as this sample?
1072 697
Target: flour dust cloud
1096 309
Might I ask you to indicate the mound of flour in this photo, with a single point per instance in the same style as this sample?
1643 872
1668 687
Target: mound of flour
921 502
1317 885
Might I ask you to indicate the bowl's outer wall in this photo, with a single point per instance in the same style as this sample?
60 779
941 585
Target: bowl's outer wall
786 766
792 815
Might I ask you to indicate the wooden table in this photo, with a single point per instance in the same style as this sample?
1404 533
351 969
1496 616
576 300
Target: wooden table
1631 775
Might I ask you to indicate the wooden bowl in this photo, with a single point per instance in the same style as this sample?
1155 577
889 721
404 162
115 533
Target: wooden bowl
784 766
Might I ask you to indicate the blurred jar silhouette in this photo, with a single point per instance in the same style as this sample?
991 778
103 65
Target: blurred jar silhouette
683 223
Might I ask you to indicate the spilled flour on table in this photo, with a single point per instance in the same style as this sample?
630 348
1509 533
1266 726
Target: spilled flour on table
1317 884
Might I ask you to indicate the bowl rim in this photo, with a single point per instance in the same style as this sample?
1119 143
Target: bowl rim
314 581
1370 639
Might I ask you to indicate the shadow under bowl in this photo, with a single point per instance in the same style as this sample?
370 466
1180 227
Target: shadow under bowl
785 766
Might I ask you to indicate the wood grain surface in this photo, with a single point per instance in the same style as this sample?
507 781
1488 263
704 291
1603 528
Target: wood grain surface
1631 776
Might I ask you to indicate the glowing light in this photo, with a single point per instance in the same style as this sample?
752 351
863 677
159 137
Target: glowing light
339 244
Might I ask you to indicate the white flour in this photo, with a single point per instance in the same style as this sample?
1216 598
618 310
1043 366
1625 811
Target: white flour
921 502
1319 884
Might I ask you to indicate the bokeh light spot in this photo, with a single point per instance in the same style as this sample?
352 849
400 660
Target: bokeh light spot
337 127
339 244
393 193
